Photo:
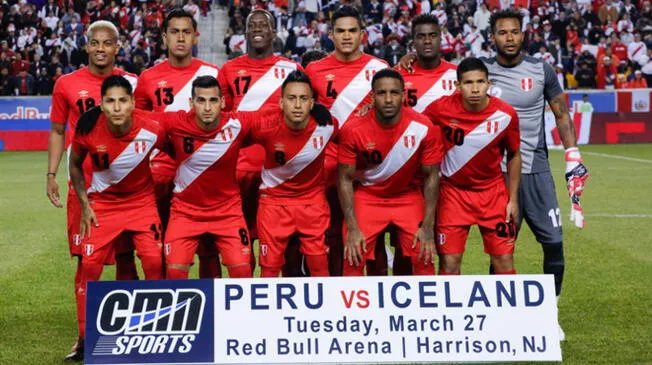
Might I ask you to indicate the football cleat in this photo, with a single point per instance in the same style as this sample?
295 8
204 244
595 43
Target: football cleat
77 353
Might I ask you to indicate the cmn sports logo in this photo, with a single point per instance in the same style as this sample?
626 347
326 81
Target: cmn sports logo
149 321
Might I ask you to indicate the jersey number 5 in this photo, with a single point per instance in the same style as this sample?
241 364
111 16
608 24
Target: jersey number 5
164 95
411 97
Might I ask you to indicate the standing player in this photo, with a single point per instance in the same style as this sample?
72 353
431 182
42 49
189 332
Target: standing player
430 79
292 199
252 82
387 148
526 83
167 87
120 199
342 83
478 131
74 94
206 202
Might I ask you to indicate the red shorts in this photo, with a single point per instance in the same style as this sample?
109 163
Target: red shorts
375 215
459 209
118 224
227 229
276 223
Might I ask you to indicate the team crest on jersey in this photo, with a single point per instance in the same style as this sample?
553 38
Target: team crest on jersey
76 239
527 83
279 73
168 249
140 146
318 142
409 140
279 146
369 74
225 135
162 84
83 93
263 249
492 126
88 249
447 84
330 77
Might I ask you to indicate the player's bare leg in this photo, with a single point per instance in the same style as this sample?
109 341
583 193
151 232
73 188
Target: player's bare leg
503 264
318 265
450 264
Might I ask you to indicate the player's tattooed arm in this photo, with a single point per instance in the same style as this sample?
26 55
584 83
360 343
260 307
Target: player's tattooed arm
425 234
56 144
77 178
564 123
355 243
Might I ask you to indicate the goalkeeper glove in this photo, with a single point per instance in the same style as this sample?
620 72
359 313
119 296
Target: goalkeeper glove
576 176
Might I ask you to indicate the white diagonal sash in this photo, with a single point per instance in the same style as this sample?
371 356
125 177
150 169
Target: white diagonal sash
308 153
180 101
474 142
133 81
355 92
262 89
436 91
125 163
206 155
400 154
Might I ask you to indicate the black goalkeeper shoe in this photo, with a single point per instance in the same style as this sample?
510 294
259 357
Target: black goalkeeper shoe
77 353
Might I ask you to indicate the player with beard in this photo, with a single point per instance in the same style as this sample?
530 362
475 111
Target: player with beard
342 82
252 82
166 87
74 94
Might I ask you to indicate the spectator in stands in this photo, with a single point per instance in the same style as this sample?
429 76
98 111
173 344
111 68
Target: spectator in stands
638 82
606 77
637 50
585 77
587 58
373 12
44 82
23 83
5 82
393 50
481 19
19 65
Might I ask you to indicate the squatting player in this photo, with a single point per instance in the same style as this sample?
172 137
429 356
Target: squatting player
165 87
342 82
526 83
74 94
120 199
292 200
206 203
251 83
478 131
383 151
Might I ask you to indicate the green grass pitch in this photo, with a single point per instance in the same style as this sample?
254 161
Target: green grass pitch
605 308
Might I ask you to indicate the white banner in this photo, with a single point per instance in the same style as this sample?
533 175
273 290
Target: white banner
418 319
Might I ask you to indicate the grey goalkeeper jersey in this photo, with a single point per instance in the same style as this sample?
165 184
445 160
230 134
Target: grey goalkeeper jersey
526 87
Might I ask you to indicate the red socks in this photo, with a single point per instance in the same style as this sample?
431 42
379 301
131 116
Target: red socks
86 272
420 268
269 272
152 267
242 271
176 274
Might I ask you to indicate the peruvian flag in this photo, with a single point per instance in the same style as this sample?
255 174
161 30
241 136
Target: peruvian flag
637 101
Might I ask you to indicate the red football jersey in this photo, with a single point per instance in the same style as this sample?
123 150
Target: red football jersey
254 85
475 143
423 87
206 161
293 172
165 88
77 92
387 159
120 165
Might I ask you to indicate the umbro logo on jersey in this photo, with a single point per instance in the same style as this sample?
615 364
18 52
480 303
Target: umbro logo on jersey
101 148
527 83
408 84
318 142
83 93
409 140
162 84
370 145
279 146
330 77
242 72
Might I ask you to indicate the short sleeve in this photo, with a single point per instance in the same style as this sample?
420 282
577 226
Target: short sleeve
226 90
433 149
431 113
142 100
513 134
347 152
551 87
59 111
79 144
